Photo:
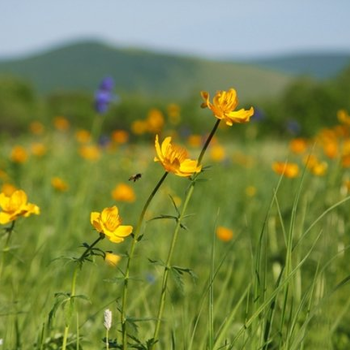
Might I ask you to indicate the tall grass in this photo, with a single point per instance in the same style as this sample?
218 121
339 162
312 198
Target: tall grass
280 283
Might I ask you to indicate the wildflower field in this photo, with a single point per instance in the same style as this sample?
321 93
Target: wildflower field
215 240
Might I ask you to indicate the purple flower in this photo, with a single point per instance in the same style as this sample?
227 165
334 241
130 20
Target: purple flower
104 95
102 101
107 84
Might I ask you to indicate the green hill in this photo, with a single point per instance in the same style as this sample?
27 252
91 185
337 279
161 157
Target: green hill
81 66
320 65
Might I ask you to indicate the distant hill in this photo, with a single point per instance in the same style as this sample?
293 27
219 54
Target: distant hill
81 66
317 65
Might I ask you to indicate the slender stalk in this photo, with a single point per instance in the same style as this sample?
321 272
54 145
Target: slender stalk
9 231
174 239
207 142
136 235
73 286
168 264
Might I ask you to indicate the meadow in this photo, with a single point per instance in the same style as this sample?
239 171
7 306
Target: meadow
260 259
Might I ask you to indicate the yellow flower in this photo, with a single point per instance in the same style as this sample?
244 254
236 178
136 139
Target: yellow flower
195 140
343 117
36 128
139 127
16 205
58 184
38 149
224 105
8 189
61 123
19 154
89 152
83 136
290 170
109 223
155 121
217 153
174 113
112 259
250 191
175 159
223 233
123 192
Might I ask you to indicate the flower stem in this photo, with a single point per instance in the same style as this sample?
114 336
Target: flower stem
136 235
168 264
174 239
9 231
207 142
73 286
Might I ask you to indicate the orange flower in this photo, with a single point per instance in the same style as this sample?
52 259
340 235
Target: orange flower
175 159
124 193
331 149
120 136
58 184
298 145
224 105
109 223
290 170
224 234
61 123
19 154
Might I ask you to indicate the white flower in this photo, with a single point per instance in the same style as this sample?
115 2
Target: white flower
107 319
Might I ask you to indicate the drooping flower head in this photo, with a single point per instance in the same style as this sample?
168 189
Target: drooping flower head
109 223
175 159
16 205
224 105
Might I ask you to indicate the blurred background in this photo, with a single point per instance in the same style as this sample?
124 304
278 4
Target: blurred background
288 59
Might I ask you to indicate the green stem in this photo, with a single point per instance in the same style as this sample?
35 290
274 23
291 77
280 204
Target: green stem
168 264
9 231
207 142
73 286
174 239
107 343
136 235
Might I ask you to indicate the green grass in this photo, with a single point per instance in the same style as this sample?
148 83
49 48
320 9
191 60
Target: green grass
281 283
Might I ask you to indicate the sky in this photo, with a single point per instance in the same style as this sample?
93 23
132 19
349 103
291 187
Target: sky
207 28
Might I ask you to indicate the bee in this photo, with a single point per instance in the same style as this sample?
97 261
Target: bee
135 177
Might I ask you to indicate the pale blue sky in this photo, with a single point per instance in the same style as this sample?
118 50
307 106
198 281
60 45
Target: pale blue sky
211 28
